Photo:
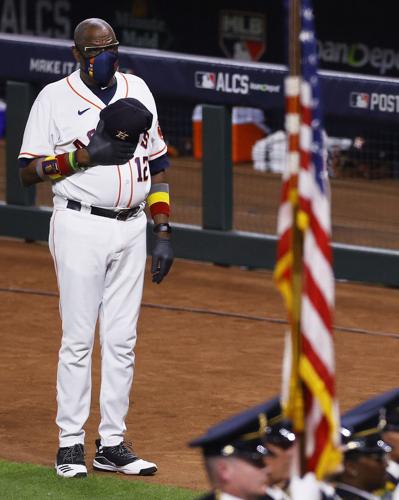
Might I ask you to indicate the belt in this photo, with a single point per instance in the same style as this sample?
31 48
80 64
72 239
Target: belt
123 215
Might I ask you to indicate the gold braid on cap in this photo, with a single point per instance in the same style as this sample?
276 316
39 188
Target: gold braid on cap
382 419
367 432
260 433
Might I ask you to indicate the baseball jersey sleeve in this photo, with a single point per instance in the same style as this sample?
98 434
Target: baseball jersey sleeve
159 164
40 131
157 145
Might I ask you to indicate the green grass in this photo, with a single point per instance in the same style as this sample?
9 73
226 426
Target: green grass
26 481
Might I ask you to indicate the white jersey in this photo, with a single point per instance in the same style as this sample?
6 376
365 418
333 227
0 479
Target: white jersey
64 117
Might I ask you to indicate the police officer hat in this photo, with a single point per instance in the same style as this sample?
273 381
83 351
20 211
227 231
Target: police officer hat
126 119
363 425
389 412
381 411
244 435
279 430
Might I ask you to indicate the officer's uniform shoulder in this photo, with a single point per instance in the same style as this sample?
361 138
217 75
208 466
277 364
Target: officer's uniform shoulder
346 492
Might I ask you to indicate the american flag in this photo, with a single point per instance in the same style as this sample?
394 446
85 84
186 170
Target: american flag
304 230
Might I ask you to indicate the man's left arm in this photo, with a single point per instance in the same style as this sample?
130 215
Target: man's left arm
159 203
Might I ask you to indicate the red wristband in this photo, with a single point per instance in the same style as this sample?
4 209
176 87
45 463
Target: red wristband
160 208
64 165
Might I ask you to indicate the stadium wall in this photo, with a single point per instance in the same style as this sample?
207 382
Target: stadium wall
32 62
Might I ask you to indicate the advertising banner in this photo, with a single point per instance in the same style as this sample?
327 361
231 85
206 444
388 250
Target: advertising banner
353 36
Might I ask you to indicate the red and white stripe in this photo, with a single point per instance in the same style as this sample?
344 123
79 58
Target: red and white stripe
317 290
290 181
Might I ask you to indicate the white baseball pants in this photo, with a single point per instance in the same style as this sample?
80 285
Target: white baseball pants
100 266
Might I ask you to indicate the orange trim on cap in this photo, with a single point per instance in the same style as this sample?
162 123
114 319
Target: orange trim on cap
120 186
84 98
161 151
30 154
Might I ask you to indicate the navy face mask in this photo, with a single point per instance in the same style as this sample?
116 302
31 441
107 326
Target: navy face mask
102 67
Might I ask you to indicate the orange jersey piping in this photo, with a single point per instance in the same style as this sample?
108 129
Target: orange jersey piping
157 153
82 97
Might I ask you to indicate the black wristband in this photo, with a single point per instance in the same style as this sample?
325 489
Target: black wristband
163 227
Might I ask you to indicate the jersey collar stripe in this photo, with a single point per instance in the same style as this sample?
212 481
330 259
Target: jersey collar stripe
158 152
80 95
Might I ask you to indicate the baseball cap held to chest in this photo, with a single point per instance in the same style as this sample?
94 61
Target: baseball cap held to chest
126 119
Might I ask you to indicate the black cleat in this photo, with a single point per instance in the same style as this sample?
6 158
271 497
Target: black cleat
121 458
70 461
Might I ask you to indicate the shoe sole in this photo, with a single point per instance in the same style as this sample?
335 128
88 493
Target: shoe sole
111 468
78 475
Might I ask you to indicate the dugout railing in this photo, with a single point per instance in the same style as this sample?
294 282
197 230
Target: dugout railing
29 63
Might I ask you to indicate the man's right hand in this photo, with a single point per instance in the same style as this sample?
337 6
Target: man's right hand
103 150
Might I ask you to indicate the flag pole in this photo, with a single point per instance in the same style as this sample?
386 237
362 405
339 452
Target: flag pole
297 245
294 56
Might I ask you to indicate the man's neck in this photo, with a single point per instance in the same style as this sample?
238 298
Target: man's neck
92 84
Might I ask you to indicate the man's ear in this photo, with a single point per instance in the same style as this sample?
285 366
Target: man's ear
224 470
76 55
351 468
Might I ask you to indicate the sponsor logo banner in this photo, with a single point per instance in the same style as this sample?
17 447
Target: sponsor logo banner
358 56
359 100
232 83
242 35
384 103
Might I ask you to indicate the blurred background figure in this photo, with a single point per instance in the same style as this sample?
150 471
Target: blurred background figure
269 154
383 411
234 454
282 446
280 441
391 436
365 453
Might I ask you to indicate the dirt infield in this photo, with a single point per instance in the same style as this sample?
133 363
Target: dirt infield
192 368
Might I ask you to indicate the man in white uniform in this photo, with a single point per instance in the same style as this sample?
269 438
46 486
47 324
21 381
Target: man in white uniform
102 173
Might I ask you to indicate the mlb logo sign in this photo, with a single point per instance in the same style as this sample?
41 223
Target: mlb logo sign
359 100
205 80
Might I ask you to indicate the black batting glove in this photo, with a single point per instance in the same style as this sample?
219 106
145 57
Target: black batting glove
103 150
162 259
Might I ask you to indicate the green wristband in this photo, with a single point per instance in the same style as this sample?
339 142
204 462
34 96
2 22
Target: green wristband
72 161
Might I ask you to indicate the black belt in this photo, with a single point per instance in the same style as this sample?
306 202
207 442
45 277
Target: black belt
104 212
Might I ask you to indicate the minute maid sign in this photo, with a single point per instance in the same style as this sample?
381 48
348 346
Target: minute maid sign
242 35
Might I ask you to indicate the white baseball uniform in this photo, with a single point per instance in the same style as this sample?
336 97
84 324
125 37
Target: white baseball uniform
99 261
